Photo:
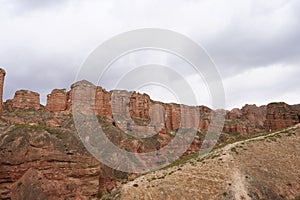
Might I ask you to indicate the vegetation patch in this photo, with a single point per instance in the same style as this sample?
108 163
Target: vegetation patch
215 156
233 149
182 160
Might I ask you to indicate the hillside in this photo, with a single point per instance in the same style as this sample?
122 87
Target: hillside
265 167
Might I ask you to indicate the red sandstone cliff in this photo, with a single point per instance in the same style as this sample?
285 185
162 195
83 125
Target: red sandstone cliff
2 75
24 100
135 111
281 115
57 100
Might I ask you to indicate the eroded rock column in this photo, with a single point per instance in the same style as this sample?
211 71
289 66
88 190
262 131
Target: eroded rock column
2 75
57 100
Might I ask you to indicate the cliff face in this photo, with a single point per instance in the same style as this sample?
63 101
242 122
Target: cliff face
281 115
39 145
39 162
24 100
57 100
133 111
248 120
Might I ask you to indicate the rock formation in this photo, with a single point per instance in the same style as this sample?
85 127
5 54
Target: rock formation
2 75
281 115
248 120
39 162
133 111
89 97
57 100
24 100
103 102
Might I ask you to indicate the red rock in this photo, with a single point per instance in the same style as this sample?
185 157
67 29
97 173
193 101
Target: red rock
248 120
8 105
254 114
103 102
82 98
172 116
25 99
281 115
131 110
42 155
55 122
37 164
139 105
2 75
234 114
107 180
57 100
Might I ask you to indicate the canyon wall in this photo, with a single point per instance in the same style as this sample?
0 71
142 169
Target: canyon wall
2 75
132 111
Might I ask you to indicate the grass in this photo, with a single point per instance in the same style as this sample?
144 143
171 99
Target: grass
50 130
182 160
215 156
99 195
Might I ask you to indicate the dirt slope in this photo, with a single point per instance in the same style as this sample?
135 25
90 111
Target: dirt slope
265 167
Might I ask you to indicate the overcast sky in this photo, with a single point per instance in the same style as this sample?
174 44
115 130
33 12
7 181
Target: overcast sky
255 44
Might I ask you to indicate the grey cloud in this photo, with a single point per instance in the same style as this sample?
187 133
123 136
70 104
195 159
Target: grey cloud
44 51
244 44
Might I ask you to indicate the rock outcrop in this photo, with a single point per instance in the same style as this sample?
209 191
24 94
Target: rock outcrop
281 115
39 162
57 100
89 98
248 120
103 102
24 100
2 75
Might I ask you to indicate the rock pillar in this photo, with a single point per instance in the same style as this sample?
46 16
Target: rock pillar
2 75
